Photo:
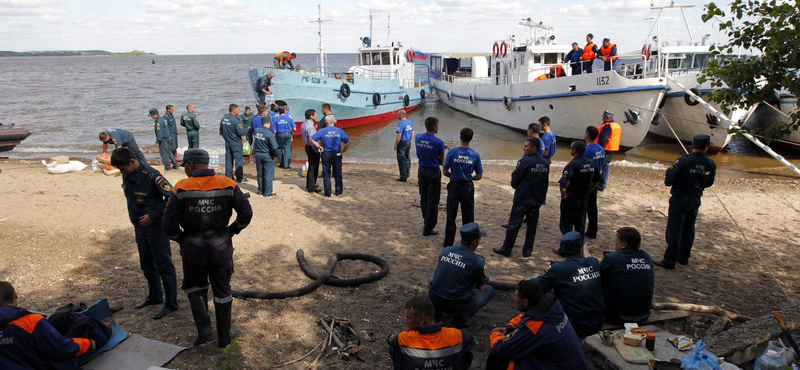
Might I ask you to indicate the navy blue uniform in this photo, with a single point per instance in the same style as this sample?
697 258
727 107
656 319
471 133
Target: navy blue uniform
283 126
576 283
628 280
232 131
265 148
580 176
331 139
247 120
173 135
406 129
263 83
119 137
189 120
431 347
147 192
429 151
574 59
530 180
690 175
455 286
164 143
461 162
597 154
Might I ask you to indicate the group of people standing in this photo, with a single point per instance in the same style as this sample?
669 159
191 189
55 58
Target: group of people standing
582 60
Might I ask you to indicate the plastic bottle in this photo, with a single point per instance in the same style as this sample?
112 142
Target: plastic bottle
704 363
304 169
95 165
770 360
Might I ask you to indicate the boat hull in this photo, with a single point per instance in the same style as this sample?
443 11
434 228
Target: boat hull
572 103
766 116
11 136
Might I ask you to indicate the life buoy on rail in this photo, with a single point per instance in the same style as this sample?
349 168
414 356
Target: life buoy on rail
344 90
689 100
503 49
496 49
507 102
646 51
376 99
406 101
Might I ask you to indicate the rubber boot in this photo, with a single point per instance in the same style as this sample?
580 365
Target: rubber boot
199 304
224 332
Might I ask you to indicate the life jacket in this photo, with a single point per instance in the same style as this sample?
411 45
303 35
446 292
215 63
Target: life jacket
280 56
588 51
541 77
606 51
612 143
557 71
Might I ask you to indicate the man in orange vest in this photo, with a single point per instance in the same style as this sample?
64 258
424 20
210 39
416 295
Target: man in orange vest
284 60
610 133
608 53
589 54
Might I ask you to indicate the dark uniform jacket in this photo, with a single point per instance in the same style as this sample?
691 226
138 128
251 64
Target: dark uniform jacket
628 280
576 283
691 174
530 180
431 347
579 176
28 341
459 271
205 202
173 127
264 142
162 131
147 192
231 129
189 120
540 339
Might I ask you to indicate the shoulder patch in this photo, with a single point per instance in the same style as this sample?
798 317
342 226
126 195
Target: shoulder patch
158 126
163 184
510 335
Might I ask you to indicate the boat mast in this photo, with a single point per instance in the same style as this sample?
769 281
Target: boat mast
683 13
321 52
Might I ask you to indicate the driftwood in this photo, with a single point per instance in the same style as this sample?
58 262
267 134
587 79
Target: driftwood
700 308
301 358
718 326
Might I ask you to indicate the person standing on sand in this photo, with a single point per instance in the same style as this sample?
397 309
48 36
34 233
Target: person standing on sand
402 145
326 111
265 148
313 154
247 120
197 217
189 120
163 140
332 142
596 153
580 177
459 165
548 138
283 126
120 138
146 192
233 132
533 131
430 153
173 133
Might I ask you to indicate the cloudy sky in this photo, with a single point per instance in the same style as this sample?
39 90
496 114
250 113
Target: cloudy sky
257 26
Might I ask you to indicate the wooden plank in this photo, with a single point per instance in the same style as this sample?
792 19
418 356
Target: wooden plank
656 317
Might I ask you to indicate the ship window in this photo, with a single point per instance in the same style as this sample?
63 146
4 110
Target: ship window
366 59
537 58
376 59
701 60
551 58
385 58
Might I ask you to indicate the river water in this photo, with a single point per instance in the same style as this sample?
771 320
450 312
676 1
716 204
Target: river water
66 101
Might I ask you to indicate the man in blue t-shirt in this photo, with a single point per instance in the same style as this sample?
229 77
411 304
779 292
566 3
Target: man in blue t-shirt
283 126
430 152
548 138
597 154
329 142
459 164
402 145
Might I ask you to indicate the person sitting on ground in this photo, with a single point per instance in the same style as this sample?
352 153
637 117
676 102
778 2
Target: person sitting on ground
539 338
576 283
426 342
628 279
29 341
459 285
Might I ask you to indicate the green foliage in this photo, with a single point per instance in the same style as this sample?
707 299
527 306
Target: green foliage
231 356
771 27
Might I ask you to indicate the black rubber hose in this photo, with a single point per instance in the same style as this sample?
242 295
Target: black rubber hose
332 281
503 285
318 281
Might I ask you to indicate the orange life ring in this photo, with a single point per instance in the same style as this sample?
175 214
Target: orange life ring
496 49
646 51
503 49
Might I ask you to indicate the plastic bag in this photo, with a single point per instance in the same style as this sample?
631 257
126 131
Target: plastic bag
787 354
699 360
245 147
72 166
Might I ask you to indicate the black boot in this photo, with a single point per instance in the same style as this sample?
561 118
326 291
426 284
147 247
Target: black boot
224 332
199 304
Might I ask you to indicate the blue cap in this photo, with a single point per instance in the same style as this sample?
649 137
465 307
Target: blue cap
590 35
471 232
281 109
701 141
153 111
195 156
571 242
606 39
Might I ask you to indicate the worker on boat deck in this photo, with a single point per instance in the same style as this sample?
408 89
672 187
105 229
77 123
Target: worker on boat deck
690 175
264 88
628 279
459 165
597 154
589 54
120 137
233 132
548 138
608 53
163 140
574 59
189 120
556 72
173 132
427 342
283 60
608 138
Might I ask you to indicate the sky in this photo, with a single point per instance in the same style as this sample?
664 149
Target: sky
182 27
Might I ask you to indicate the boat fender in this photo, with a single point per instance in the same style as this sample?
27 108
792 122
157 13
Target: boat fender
646 51
344 90
663 102
471 98
712 120
688 99
507 102
496 49
449 95
422 94
656 120
503 49
376 99
406 100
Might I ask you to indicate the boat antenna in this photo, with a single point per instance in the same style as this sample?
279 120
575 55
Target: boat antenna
319 21
389 29
370 24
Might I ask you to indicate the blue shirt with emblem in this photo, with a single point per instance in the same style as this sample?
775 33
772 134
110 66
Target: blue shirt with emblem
461 162
258 122
231 129
597 154
460 270
282 124
548 144
331 138
406 127
147 192
429 149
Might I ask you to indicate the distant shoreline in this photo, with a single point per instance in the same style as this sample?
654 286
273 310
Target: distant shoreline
72 53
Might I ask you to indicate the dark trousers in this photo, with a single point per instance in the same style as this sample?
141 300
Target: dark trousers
233 153
167 157
573 213
194 139
155 260
458 193
404 158
138 152
608 66
332 165
467 307
313 167
531 215
284 149
591 214
173 146
261 98
576 68
587 65
430 190
265 172
75 325
586 328
680 227
208 257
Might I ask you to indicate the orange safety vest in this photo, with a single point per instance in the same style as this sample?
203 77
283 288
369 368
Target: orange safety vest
541 77
557 71
612 143
588 51
279 56
606 51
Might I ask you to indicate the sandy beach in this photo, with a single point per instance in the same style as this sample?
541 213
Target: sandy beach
67 238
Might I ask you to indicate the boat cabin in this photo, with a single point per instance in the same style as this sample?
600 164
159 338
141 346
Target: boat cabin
384 63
